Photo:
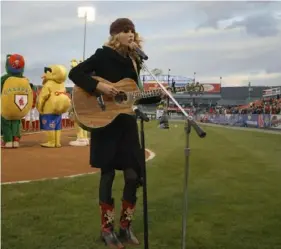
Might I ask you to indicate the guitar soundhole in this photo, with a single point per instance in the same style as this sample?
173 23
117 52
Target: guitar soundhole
121 97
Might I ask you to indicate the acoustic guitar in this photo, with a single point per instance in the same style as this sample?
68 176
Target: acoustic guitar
93 111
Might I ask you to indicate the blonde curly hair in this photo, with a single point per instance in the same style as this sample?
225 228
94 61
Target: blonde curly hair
114 43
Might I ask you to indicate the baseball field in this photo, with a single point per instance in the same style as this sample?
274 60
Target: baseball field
50 196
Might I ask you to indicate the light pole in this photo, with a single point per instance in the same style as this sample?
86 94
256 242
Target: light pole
194 81
88 14
169 76
250 89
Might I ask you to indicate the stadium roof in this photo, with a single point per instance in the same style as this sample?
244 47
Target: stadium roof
239 93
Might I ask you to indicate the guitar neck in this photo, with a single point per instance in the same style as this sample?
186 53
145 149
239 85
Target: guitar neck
146 94
152 93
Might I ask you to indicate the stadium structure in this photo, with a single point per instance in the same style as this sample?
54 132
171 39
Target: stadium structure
214 93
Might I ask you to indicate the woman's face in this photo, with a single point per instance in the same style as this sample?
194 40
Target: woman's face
126 37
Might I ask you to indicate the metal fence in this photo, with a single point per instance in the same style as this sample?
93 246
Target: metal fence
260 121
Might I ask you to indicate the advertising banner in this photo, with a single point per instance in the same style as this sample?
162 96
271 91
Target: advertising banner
212 87
251 120
271 92
245 120
153 85
257 120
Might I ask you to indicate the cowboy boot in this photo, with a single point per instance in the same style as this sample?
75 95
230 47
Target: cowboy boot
108 235
125 233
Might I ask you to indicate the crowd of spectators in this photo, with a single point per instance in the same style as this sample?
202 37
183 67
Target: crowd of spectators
264 106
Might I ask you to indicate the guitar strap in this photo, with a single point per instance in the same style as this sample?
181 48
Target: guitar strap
140 83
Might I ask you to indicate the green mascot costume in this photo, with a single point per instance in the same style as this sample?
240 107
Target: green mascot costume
16 100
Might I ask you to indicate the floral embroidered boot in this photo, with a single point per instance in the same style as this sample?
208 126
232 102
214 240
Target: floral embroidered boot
126 234
107 230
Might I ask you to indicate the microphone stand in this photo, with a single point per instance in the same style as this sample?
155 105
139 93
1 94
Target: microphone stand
143 117
190 123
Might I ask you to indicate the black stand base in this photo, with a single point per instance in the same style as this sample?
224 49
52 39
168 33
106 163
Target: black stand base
201 133
190 122
185 197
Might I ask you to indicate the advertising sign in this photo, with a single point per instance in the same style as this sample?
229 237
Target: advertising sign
271 92
246 120
212 87
150 85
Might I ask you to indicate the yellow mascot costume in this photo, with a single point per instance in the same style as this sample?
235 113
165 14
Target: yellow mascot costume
82 135
52 103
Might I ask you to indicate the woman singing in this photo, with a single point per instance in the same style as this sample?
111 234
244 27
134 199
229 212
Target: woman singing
116 146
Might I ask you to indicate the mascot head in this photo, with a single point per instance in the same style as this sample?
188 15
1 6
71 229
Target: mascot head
57 73
73 63
15 64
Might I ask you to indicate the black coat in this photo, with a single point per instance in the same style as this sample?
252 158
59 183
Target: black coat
115 146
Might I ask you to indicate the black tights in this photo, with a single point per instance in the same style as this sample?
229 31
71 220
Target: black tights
130 188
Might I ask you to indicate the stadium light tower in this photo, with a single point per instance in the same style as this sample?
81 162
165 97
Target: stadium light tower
88 13
169 76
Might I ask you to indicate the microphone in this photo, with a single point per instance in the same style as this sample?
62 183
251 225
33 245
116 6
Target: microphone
140 114
141 53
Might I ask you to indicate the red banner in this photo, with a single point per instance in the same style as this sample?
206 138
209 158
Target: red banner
212 87
153 85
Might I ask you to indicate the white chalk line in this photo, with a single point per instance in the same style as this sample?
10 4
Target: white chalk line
41 131
150 157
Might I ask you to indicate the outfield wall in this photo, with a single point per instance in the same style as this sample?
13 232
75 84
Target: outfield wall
263 121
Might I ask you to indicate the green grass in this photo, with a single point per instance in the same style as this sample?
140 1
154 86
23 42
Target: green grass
234 197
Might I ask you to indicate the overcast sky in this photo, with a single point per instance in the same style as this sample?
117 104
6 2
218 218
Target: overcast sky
240 41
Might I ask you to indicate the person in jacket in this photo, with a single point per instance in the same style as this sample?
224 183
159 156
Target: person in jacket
115 146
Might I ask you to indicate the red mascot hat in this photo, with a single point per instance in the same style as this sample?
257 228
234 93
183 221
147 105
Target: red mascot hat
15 63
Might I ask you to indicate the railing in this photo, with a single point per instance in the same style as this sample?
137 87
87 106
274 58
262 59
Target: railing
264 121
261 121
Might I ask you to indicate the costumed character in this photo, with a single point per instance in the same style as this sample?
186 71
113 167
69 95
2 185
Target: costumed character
33 115
16 100
52 103
82 135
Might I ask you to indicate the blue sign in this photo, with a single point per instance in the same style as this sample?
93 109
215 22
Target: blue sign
247 120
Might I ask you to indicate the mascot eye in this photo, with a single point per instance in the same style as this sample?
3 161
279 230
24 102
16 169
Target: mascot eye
47 69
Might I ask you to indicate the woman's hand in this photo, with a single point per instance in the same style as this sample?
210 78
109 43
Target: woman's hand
107 89
133 45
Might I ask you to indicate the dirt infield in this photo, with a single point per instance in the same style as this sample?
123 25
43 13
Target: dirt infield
32 162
